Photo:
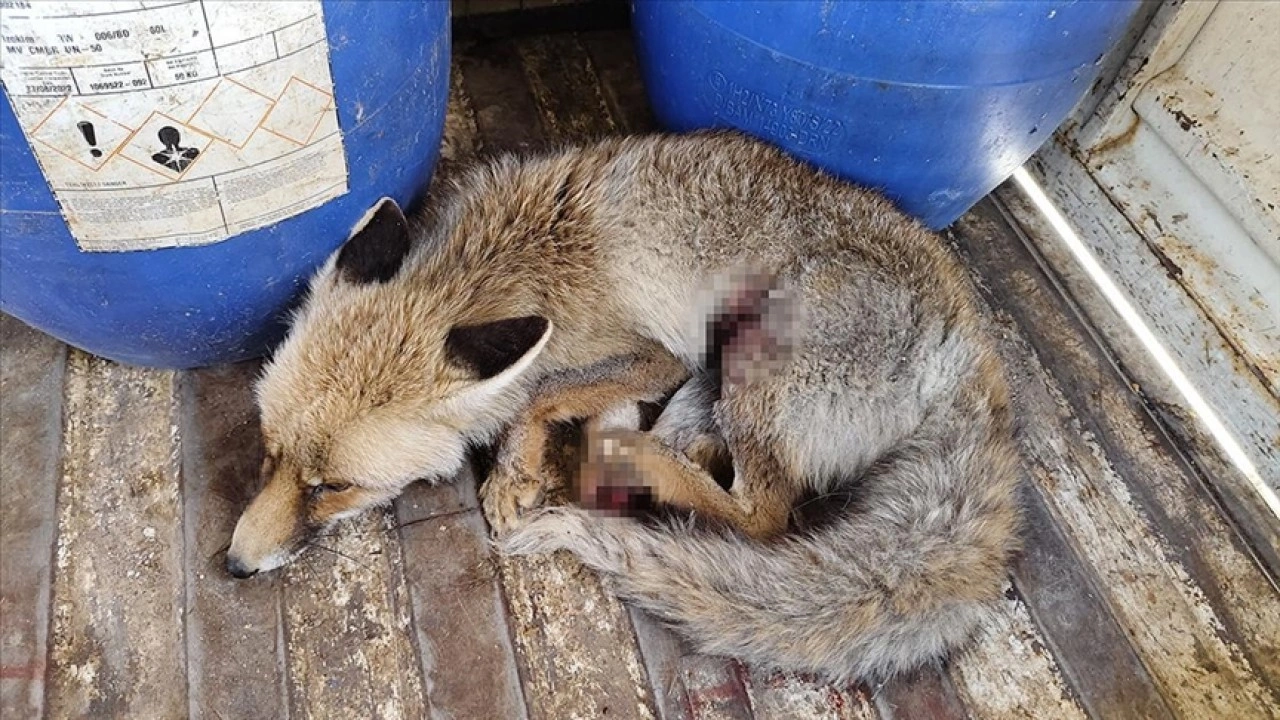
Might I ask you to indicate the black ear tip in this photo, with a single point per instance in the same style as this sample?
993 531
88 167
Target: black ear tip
387 209
377 246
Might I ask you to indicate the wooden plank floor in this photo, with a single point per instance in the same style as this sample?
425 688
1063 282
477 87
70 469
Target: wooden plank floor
1136 597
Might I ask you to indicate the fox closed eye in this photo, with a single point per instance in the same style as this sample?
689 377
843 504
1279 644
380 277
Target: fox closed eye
325 488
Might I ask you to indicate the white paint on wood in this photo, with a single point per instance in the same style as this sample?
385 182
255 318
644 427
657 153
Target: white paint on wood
1220 252
1218 108
575 641
786 696
459 141
1186 145
1191 395
1010 673
1169 33
350 645
1245 594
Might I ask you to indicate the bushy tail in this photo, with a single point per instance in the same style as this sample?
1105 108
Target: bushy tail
900 578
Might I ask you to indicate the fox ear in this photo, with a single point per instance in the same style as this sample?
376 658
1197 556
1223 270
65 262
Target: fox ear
499 352
377 246
495 348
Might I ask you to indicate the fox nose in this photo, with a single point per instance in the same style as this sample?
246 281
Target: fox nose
238 569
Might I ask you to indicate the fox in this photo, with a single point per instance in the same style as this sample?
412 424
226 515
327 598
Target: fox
799 332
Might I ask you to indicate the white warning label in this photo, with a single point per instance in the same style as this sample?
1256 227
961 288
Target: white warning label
162 123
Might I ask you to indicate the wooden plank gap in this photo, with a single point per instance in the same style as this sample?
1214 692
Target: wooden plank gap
506 117
661 652
233 626
566 88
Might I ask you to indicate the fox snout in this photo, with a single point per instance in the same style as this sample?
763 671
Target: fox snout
269 531
292 506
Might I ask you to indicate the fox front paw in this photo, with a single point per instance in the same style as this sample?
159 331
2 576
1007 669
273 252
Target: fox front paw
508 496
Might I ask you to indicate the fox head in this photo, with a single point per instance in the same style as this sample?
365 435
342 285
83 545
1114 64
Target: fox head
383 380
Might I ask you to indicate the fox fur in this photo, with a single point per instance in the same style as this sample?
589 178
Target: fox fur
578 282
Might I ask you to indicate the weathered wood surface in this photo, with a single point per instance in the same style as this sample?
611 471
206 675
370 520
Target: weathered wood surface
459 613
329 637
613 57
927 694
351 649
1091 649
1010 672
1195 606
662 655
117 640
565 89
31 371
234 627
1135 597
781 696
1150 281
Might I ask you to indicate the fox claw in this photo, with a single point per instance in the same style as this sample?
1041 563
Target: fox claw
508 496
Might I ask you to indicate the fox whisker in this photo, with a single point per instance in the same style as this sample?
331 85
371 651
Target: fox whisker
339 553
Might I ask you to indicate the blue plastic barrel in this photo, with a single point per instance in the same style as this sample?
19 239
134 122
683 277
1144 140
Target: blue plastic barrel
224 300
933 102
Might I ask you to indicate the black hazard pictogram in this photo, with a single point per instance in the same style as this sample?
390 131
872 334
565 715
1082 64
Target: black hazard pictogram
174 156
90 136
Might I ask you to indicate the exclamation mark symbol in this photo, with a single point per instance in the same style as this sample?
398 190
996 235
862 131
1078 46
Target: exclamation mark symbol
91 137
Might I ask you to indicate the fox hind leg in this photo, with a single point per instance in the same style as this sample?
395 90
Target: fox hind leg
519 482
640 463
688 426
